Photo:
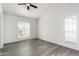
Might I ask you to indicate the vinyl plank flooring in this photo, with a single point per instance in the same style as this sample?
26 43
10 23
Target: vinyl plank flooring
36 47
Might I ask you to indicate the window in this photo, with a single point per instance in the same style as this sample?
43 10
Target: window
24 29
71 29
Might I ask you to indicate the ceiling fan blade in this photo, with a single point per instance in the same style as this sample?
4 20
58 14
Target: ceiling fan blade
33 6
21 3
28 7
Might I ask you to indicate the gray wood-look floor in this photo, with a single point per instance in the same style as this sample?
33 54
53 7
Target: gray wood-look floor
36 47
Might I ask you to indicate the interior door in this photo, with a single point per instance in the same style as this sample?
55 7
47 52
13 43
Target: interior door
1 31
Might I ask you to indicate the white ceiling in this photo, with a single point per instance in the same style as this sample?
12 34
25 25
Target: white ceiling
13 8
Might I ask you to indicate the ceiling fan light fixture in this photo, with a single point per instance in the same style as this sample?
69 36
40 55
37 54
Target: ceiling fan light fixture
28 4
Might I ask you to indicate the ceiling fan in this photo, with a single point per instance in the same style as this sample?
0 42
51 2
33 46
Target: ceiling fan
28 5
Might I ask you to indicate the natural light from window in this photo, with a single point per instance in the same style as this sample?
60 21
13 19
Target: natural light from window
71 29
24 29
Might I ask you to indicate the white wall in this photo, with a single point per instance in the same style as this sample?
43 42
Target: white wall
1 27
11 29
51 24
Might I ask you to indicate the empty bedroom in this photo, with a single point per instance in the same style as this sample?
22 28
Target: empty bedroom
39 29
